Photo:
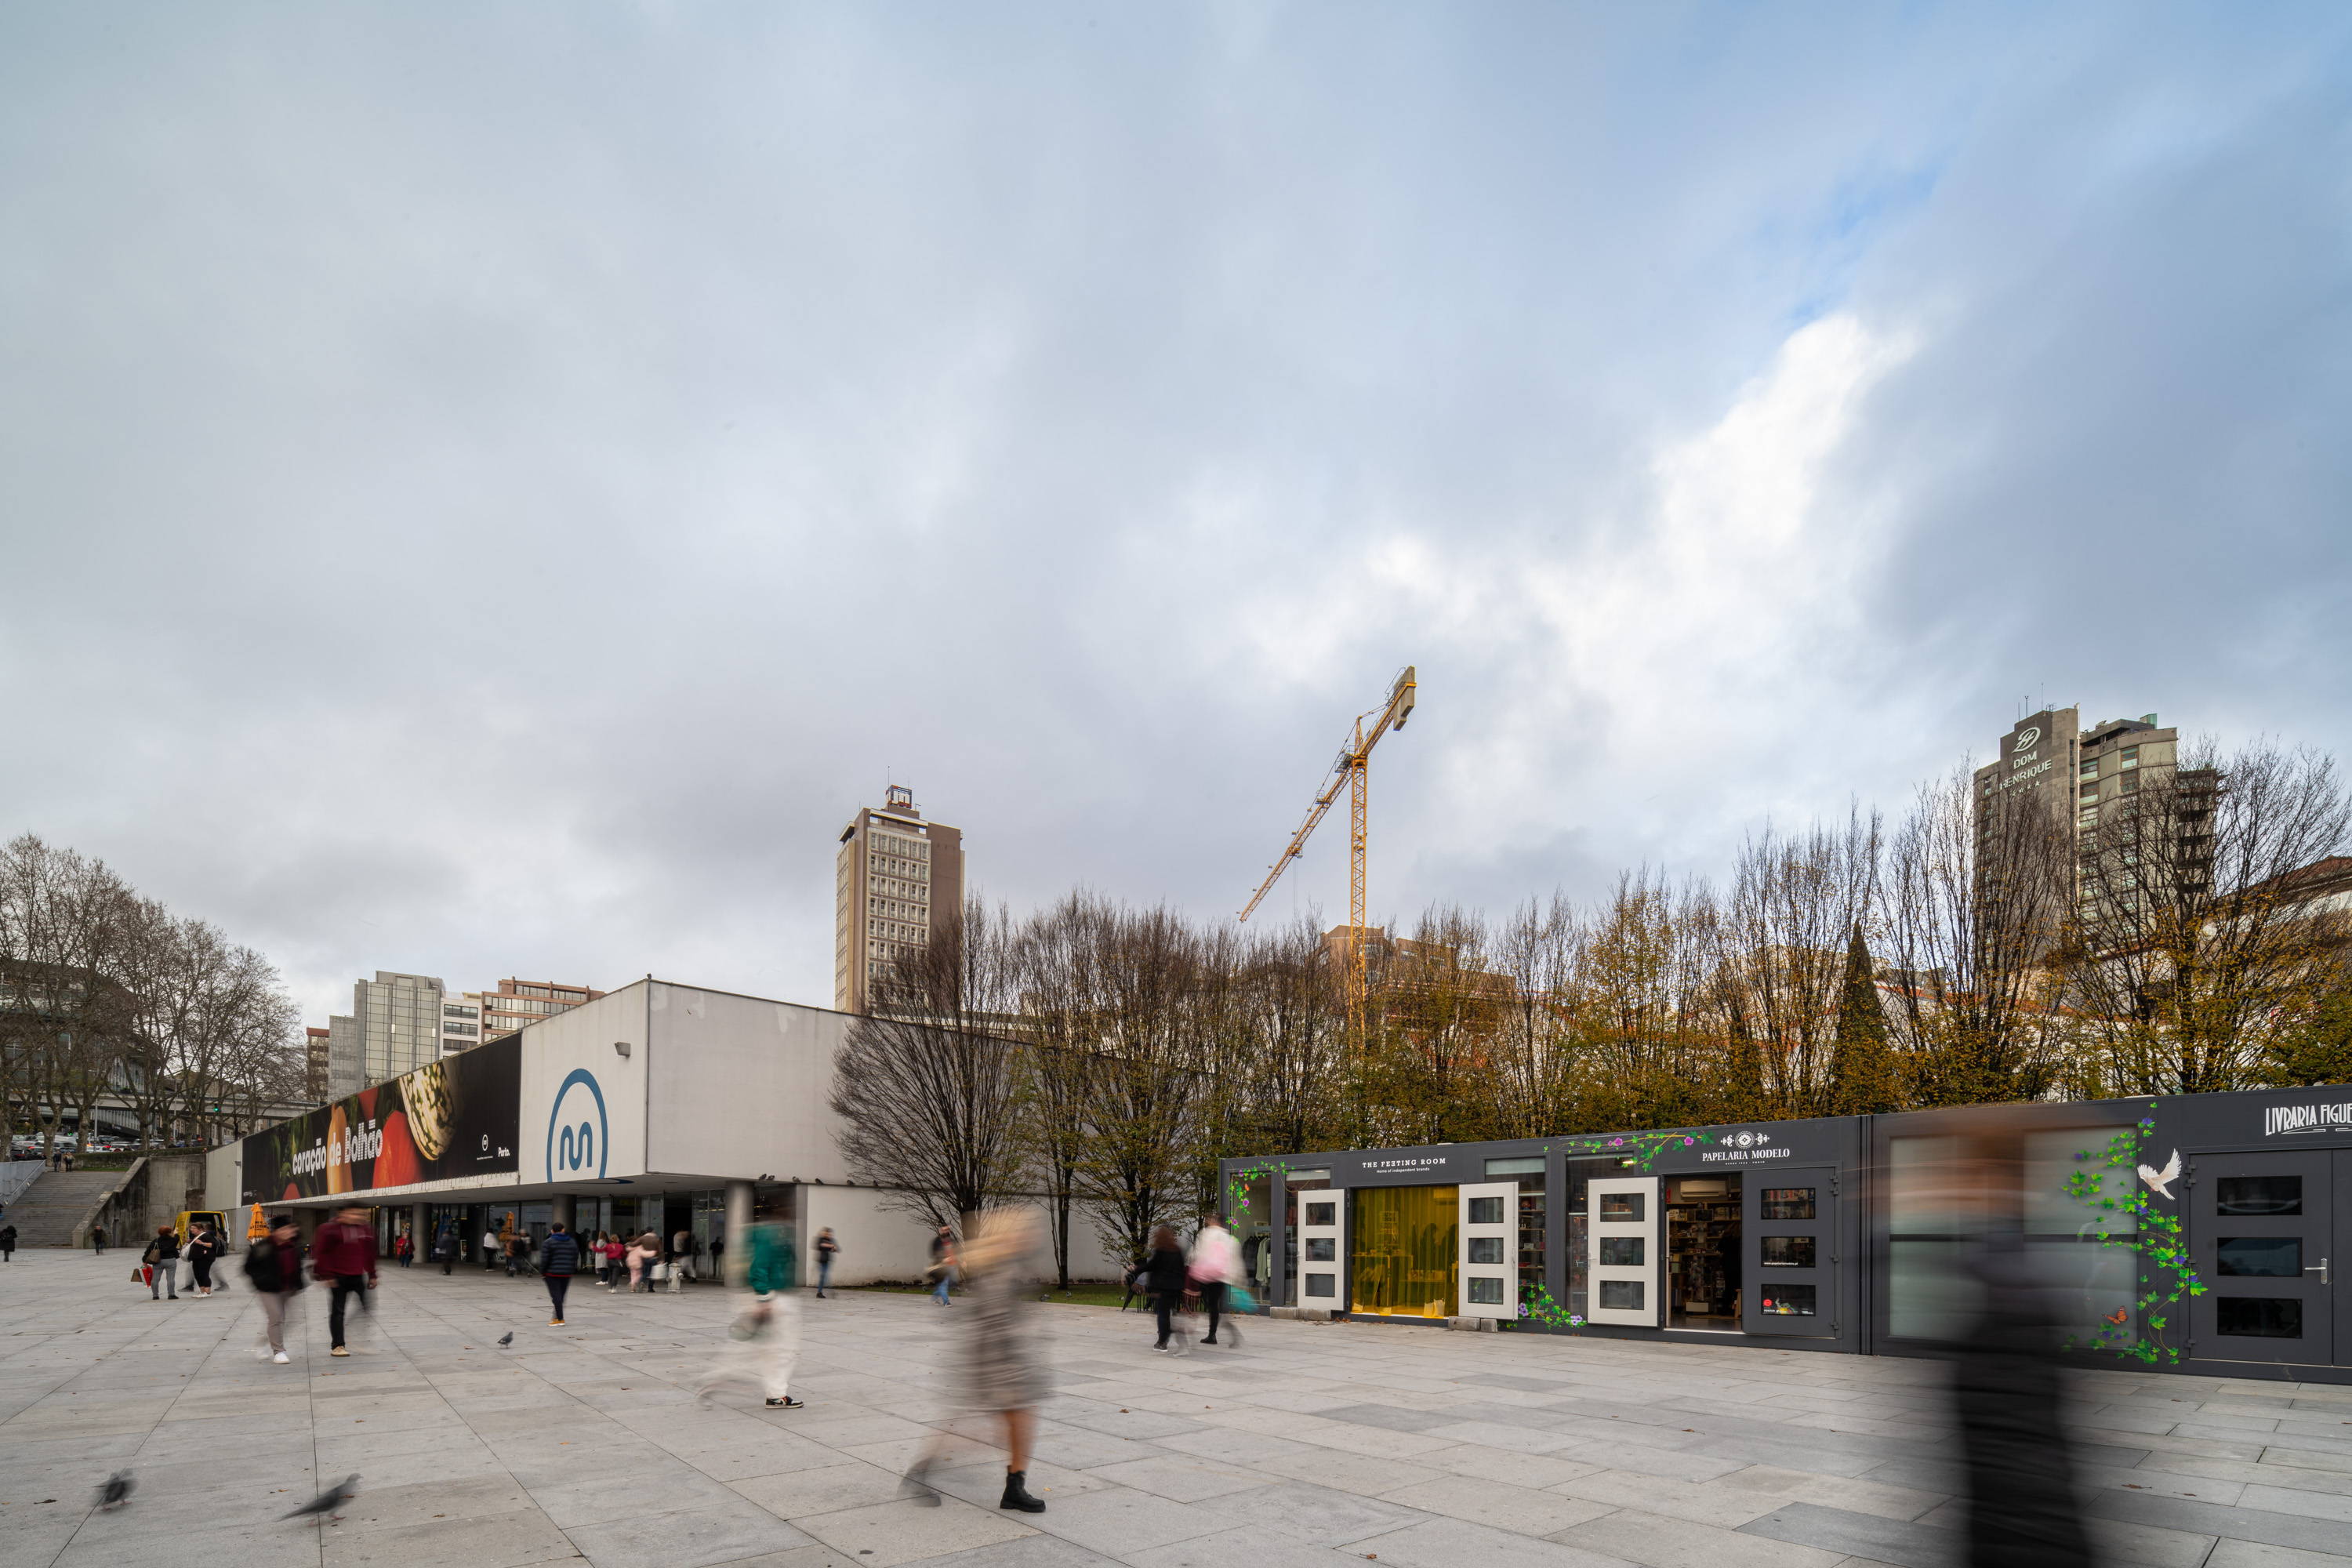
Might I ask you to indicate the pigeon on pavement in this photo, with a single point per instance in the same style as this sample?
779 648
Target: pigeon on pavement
507 1338
116 1490
328 1501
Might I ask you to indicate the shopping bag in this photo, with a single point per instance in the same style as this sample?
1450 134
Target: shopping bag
139 1274
659 1272
1239 1300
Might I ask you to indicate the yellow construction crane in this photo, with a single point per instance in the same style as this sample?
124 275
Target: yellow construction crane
1352 773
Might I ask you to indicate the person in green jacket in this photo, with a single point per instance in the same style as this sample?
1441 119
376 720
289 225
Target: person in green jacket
770 1329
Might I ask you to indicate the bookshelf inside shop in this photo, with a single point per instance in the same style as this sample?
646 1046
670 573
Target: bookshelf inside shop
1702 1252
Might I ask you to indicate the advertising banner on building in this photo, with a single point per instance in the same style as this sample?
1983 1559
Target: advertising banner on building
451 1117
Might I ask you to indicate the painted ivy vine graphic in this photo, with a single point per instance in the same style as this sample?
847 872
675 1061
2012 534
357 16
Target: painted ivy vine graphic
1543 1309
1640 1147
1238 1185
2168 1274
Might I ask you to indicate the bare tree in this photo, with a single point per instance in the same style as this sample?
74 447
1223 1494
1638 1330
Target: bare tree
1972 912
1137 1005
1535 1055
929 1090
1057 1006
1781 953
63 923
2192 942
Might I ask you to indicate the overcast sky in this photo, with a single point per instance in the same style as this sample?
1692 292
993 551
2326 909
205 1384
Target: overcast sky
491 489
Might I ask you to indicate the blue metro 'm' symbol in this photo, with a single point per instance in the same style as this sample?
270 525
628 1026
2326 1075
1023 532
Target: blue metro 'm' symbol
579 1142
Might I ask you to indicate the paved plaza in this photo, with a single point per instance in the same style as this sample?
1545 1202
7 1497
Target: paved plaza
1309 1446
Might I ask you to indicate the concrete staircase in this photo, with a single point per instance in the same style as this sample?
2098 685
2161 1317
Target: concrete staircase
46 1213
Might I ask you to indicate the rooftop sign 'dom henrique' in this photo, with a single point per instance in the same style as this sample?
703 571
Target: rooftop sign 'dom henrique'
451 1117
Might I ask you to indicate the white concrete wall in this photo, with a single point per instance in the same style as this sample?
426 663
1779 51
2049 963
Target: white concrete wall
739 1086
876 1243
574 1081
225 1181
881 1243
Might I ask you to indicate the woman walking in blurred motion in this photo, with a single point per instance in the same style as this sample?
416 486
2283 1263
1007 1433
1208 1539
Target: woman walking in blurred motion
1165 1275
643 1253
1216 1266
1004 1373
768 1335
2007 1387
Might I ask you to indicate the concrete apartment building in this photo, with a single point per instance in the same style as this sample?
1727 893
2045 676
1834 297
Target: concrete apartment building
316 1072
898 882
398 1022
517 1002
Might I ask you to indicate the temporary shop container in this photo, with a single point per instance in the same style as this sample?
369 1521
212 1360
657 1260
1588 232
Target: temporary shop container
2202 1233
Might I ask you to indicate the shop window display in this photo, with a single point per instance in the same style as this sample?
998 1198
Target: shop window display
1403 1242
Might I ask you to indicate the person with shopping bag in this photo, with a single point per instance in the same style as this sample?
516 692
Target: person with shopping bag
162 1262
1214 1269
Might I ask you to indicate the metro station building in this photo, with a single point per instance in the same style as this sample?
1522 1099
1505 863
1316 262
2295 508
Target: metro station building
657 1107
2199 1234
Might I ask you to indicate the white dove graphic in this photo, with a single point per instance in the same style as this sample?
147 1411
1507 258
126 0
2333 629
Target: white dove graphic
2161 1181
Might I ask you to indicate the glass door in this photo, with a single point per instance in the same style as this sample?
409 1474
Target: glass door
2260 1228
1489 1262
1791 1284
1623 1271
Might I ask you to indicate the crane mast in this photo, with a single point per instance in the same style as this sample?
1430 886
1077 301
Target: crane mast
1351 771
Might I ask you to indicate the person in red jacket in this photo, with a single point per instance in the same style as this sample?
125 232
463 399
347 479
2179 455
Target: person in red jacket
342 1256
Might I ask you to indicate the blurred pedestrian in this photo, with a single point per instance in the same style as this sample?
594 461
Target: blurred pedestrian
1004 1371
1216 1266
558 1254
2008 1389
342 1257
204 1249
681 1260
643 1253
718 1257
274 1266
445 1248
615 1254
7 1244
1134 1277
826 1250
490 1248
943 1265
405 1249
1164 1276
768 1331
163 1261
97 1239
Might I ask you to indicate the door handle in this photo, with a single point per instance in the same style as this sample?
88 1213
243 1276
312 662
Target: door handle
2319 1269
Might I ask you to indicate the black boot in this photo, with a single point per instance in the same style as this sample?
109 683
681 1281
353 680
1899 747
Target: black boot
1017 1495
